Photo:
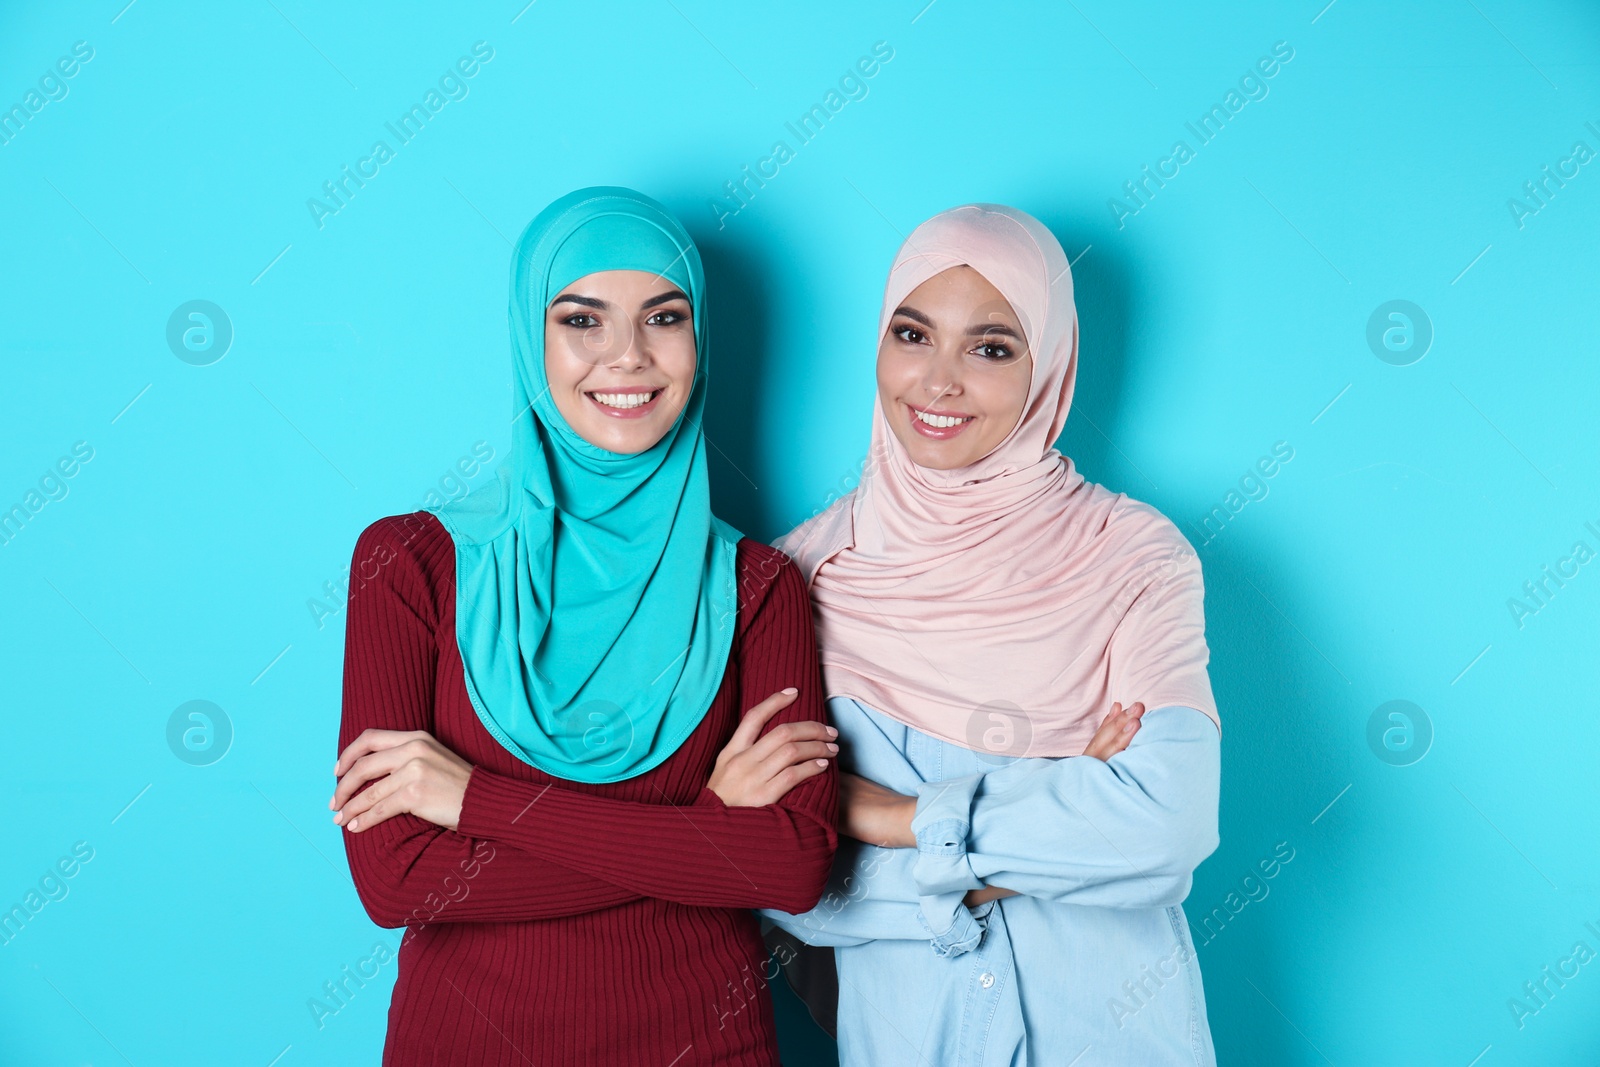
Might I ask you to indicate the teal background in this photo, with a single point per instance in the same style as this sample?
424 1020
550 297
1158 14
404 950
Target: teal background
1230 313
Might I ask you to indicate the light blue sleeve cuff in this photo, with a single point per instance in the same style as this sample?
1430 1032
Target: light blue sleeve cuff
940 824
942 873
965 928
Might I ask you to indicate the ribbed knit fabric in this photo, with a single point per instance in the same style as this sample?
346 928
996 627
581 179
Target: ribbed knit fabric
566 923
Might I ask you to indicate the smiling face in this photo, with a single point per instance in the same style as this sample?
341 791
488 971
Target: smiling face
953 370
619 355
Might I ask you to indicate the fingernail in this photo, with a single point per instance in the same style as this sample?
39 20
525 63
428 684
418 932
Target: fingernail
832 732
822 763
791 691
353 823
832 747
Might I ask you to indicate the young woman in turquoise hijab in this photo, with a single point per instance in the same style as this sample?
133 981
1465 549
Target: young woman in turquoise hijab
583 728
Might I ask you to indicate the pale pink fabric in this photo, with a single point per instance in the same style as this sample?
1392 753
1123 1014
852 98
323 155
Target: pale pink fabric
1003 606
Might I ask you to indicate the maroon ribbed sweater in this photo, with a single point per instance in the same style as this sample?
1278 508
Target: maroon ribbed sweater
567 923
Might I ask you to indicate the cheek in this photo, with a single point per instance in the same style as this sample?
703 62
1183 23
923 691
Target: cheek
563 373
1016 390
562 369
1003 397
896 373
677 360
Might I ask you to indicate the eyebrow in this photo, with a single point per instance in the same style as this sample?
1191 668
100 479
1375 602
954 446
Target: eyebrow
585 301
986 329
664 298
592 302
975 330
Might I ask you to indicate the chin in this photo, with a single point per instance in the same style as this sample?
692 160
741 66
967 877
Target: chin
926 453
936 463
633 440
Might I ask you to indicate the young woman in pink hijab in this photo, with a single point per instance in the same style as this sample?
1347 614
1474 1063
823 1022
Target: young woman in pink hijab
980 607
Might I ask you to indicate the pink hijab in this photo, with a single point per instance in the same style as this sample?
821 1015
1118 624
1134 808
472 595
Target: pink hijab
1004 605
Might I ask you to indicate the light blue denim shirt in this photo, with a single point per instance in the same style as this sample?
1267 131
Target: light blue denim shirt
1091 964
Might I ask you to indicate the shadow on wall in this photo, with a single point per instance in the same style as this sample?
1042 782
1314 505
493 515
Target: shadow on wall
738 303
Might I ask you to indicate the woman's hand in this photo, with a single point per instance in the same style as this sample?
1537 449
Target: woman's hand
752 770
1115 732
869 812
410 772
1114 735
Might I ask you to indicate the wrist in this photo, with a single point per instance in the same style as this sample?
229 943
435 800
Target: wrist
900 833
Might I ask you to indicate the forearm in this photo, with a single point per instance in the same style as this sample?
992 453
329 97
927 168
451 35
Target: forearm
426 873
704 854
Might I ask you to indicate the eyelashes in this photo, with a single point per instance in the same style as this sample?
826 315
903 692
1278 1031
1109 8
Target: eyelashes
585 321
989 351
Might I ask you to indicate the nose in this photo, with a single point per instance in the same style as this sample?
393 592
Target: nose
942 375
627 348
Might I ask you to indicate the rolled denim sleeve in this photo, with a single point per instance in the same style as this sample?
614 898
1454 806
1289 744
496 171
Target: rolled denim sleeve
870 896
942 873
1126 833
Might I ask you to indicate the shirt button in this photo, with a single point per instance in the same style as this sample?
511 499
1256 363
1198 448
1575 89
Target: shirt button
986 979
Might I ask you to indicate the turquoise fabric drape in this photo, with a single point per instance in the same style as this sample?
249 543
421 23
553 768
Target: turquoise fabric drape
595 591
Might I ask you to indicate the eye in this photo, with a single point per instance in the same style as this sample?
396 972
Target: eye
581 321
909 334
995 352
666 318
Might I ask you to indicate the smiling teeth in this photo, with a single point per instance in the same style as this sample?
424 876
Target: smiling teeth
625 400
943 422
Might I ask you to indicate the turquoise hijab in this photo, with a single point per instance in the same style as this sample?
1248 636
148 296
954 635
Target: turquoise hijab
595 591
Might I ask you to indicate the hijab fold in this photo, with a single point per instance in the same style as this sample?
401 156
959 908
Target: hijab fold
1004 605
595 590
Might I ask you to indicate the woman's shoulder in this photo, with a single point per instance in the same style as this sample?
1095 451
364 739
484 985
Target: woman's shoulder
414 544
768 580
1146 525
412 532
761 565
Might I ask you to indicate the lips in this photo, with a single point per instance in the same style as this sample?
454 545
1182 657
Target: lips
939 425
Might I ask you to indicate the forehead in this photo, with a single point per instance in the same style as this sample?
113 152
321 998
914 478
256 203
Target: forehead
962 296
617 286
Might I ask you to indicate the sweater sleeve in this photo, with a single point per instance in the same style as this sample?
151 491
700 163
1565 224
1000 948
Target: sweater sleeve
704 853
407 870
